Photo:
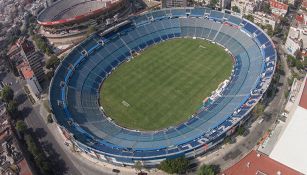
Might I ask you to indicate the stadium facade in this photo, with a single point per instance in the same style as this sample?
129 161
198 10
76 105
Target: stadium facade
67 21
74 89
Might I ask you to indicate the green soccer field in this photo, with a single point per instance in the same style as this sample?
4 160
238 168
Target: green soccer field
165 84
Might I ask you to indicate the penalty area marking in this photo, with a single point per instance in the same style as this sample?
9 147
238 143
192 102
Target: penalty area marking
125 103
201 46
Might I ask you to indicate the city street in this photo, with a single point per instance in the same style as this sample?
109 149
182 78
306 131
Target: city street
36 122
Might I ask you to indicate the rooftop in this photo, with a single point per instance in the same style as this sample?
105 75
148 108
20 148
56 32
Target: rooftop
278 5
303 101
27 47
256 163
27 72
297 35
291 147
24 168
12 49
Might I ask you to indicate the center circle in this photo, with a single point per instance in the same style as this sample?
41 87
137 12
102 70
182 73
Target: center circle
165 84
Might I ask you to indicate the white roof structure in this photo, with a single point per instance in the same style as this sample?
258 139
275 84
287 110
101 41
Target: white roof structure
291 148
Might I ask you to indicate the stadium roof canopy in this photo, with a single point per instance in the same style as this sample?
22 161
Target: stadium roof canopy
74 87
67 11
291 147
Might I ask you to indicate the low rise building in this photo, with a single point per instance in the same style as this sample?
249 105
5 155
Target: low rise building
296 40
264 19
35 62
278 8
304 5
245 7
11 158
14 54
290 148
31 79
28 62
174 3
300 18
291 2
23 53
256 163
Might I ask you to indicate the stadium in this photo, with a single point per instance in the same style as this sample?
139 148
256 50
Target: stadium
91 71
70 19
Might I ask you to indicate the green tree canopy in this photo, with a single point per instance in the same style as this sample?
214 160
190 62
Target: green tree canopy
249 17
49 118
138 166
291 60
258 110
42 44
266 8
235 9
298 53
52 62
294 62
269 30
21 126
240 130
39 158
49 75
206 170
12 108
171 166
7 94
213 3
91 29
305 62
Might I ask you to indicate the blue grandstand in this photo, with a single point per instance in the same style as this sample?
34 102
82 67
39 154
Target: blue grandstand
74 89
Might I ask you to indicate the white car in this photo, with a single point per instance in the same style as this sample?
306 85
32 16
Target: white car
284 114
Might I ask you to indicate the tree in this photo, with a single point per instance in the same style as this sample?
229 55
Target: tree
291 60
294 62
21 126
258 110
49 118
299 65
269 30
206 170
42 44
286 94
213 3
53 62
290 81
91 29
249 17
235 9
39 158
278 30
138 166
298 54
49 75
12 108
305 62
7 94
240 130
284 21
171 166
266 8
297 4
